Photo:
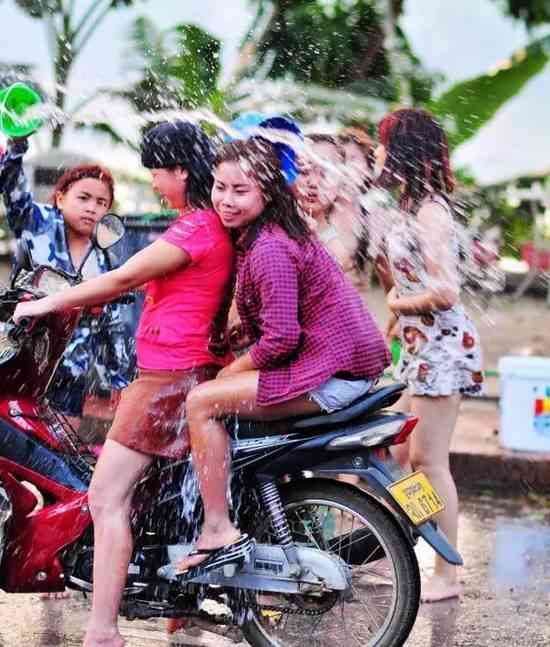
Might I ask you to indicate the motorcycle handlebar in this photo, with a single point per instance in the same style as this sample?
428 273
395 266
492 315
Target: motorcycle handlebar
17 330
25 322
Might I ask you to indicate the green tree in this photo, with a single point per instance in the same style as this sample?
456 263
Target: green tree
68 32
176 68
358 46
531 12
338 44
179 67
342 59
470 104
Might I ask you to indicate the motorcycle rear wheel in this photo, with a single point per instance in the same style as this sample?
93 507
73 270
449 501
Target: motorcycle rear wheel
382 605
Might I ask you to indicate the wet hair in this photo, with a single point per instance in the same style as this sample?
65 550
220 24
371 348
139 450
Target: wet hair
361 139
323 138
417 154
173 144
281 208
82 172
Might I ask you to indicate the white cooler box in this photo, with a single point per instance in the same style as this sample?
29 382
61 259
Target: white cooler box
525 403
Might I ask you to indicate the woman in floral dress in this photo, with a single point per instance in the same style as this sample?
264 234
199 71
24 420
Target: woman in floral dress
441 356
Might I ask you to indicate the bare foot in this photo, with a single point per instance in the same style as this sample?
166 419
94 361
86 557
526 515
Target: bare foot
60 595
439 588
209 540
103 639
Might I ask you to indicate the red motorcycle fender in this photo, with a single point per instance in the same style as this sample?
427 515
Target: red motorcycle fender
28 416
31 563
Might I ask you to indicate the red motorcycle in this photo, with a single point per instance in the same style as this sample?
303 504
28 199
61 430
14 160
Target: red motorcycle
41 458
323 549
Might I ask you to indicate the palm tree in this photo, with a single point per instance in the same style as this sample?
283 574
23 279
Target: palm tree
176 69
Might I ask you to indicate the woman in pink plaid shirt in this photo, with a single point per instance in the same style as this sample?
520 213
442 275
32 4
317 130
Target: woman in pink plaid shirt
313 346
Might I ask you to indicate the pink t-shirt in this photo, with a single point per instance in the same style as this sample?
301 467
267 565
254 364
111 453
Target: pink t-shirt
175 325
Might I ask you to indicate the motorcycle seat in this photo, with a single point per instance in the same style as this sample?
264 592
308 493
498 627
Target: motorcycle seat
365 405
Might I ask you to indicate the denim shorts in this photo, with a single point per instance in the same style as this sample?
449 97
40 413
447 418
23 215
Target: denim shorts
336 394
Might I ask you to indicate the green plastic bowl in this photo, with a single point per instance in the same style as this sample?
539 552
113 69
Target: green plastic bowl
15 101
395 350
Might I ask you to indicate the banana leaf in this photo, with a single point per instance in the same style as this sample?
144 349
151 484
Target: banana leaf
467 106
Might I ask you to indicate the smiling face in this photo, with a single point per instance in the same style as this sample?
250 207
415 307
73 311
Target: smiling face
83 204
236 196
316 187
171 185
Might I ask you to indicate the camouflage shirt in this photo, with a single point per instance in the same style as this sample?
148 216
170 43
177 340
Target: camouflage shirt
101 345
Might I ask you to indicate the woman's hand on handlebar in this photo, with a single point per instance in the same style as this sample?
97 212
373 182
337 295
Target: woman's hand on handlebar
37 308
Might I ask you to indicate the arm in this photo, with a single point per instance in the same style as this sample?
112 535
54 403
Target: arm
383 272
15 187
378 248
156 260
340 254
275 277
435 233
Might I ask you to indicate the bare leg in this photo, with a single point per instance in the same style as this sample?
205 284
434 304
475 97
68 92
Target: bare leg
210 446
429 453
118 470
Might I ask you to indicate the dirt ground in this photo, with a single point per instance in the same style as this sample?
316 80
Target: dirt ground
506 327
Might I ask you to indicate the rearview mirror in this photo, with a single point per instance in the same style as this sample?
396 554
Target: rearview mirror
22 264
108 231
23 257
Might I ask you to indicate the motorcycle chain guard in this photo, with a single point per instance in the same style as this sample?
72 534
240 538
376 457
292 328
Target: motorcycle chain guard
268 569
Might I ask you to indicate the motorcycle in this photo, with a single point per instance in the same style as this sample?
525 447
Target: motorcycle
330 561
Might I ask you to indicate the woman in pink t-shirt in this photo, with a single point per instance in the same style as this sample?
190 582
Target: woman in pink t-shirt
188 274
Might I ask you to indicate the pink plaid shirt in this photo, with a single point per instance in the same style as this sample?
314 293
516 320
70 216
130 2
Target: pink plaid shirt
305 319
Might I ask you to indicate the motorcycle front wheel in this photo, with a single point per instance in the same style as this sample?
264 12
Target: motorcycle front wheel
382 603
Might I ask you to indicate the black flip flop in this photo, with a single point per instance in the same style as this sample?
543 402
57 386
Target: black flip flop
235 553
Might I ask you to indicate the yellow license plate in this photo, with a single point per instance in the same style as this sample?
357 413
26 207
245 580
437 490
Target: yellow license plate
417 496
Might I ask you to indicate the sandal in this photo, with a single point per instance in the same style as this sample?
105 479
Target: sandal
232 554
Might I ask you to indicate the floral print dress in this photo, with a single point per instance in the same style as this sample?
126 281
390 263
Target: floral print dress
441 353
